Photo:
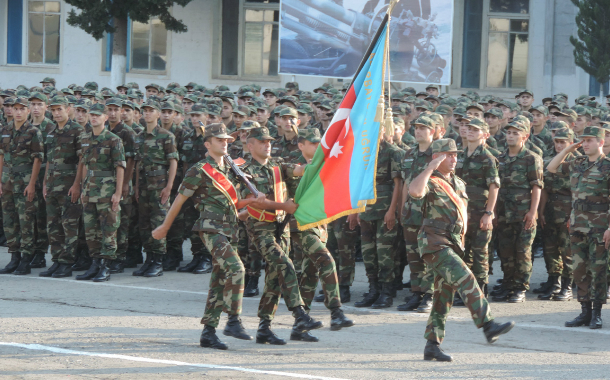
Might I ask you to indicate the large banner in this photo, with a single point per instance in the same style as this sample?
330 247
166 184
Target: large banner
329 37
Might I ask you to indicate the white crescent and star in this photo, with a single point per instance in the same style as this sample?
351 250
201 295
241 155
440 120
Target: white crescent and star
341 114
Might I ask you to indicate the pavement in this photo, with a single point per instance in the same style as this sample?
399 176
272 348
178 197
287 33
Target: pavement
148 328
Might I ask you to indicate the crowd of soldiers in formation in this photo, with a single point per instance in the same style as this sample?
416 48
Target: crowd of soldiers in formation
91 173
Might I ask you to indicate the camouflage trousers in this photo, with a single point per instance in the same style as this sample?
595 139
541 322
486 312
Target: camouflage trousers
152 214
422 278
317 264
226 291
557 250
191 214
248 252
101 225
515 252
378 250
175 235
19 221
345 255
476 256
590 265
81 242
63 218
451 275
280 275
41 243
134 243
122 240
400 253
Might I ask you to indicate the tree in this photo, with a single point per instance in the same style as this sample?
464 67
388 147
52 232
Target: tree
108 16
592 47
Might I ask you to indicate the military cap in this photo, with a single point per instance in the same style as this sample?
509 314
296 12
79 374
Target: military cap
181 91
162 89
191 84
451 102
479 123
21 100
208 92
271 91
317 98
444 109
39 96
425 121
436 118
605 125
48 80
122 86
422 93
518 125
198 109
133 95
568 113
434 86
327 104
542 109
580 110
583 98
305 95
593 132
322 88
178 108
398 110
71 99
592 104
67 91
217 130
289 111
83 103
133 85
153 85
242 110
310 134
564 134
433 97
399 121
191 97
7 92
260 105
58 101
527 92
472 95
225 95
292 85
173 85
459 112
409 91
78 89
9 101
114 102
397 96
332 90
261 134
249 124
255 87
46 90
150 103
278 109
486 99
544 100
558 125
165 106
129 104
91 86
222 87
522 119
495 112
291 99
421 103
247 94
477 106
444 146
97 109
214 109
304 108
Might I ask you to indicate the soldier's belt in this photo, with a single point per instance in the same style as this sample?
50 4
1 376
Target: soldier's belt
18 169
451 228
100 173
474 192
560 197
263 216
63 167
579 206
154 173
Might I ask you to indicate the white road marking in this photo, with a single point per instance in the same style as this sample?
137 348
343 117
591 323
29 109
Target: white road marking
39 347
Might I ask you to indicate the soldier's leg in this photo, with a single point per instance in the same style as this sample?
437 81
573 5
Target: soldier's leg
70 218
598 262
215 301
155 213
416 265
93 233
566 252
507 237
145 222
108 221
175 241
122 240
55 228
400 257
386 255
552 257
523 257
480 254
134 248
347 240
41 243
10 221
579 243
28 211
368 232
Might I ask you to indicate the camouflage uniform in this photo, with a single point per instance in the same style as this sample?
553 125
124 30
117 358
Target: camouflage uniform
345 254
440 244
101 155
63 148
20 148
175 236
41 246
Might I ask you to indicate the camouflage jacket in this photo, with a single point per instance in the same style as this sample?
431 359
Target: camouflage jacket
127 136
236 150
408 139
547 138
479 170
292 183
216 214
272 128
283 148
413 164
441 224
45 127
389 159
154 151
193 149
20 148
559 202
137 128
590 185
518 175
178 133
101 155
63 146
451 134
231 127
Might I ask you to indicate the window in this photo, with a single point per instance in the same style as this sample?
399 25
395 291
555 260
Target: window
253 50
43 32
507 53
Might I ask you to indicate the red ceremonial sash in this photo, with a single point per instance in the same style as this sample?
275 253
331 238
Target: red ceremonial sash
278 191
457 201
222 184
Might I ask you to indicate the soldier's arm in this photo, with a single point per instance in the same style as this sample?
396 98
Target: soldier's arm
417 187
161 231
1 169
30 191
44 182
165 193
128 176
561 156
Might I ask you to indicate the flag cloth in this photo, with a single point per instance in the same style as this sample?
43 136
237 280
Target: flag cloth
340 180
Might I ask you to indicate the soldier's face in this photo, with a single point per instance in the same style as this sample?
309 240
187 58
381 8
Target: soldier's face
262 116
122 90
580 124
151 115
81 116
259 149
492 121
187 105
607 139
214 119
507 112
201 117
526 100
464 129
448 165
20 113
539 119
178 118
270 99
239 119
289 121
515 137
114 114
97 120
432 91
561 144
216 146
487 106
151 91
308 149
473 112
396 102
47 84
423 134
38 108
304 118
8 110
60 113
227 110
127 115
592 145
167 117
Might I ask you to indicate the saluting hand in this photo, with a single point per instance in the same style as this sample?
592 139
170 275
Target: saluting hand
572 148
435 163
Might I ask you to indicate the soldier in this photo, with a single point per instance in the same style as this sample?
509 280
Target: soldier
526 99
48 82
217 215
103 161
62 187
288 143
589 231
157 161
272 243
555 208
442 198
540 116
379 228
521 179
479 168
21 154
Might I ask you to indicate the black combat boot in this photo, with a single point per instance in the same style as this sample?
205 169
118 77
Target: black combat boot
320 297
371 296
385 298
303 321
517 296
235 329
584 318
596 316
24 266
412 303
170 261
83 263
190 267
155 269
209 339
251 288
116 266
544 287
565 294
144 267
64 270
2 239
204 266
554 289
92 271
433 351
502 295
338 320
344 293
104 273
264 335
13 264
49 272
38 261
493 330
407 285
426 304
306 336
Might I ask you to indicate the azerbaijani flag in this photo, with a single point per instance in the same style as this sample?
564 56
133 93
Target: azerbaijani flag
341 177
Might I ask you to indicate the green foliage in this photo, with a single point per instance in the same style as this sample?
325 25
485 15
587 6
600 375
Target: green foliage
592 47
96 16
